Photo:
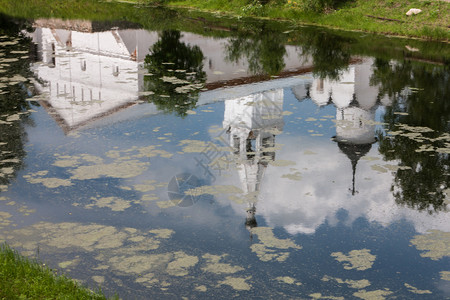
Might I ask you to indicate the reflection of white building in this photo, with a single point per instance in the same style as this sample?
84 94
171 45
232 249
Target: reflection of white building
356 101
252 123
301 206
89 74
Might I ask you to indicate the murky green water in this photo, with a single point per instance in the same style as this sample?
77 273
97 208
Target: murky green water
245 162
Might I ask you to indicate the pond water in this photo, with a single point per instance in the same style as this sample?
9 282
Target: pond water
251 160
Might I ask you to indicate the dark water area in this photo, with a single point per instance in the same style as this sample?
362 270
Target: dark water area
226 158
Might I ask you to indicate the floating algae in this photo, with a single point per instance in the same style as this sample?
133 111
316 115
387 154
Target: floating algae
373 295
288 280
269 246
435 243
113 203
414 290
354 284
237 283
356 259
445 275
213 265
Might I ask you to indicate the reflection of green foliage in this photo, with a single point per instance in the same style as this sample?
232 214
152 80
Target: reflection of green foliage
330 54
178 74
423 94
264 51
13 94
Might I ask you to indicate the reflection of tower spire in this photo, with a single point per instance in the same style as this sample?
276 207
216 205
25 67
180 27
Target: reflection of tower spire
354 152
252 122
355 100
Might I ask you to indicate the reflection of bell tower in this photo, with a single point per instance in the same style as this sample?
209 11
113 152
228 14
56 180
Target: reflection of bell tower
252 123
355 100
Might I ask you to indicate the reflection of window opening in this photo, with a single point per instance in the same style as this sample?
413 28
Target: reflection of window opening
236 143
210 64
82 94
34 52
99 96
115 71
83 65
269 142
250 148
73 93
91 94
53 64
57 89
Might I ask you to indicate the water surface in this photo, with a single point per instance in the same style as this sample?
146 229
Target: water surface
259 160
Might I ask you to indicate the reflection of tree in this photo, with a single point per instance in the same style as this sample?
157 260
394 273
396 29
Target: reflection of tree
178 74
330 54
420 99
13 92
264 51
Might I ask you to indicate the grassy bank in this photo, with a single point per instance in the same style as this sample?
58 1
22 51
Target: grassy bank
23 278
375 16
387 17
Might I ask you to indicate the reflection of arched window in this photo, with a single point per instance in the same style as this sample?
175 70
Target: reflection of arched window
83 65
115 71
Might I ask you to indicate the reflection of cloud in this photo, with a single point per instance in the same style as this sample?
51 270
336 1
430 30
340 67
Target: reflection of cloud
302 206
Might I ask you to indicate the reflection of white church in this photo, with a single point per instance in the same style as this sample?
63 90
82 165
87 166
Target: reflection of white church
91 74
252 122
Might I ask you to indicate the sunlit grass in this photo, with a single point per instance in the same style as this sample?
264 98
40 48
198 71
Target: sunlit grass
23 278
376 16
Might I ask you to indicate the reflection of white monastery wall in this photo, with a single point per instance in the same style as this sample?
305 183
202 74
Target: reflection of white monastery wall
85 83
91 74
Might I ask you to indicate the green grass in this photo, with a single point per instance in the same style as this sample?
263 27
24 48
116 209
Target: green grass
23 278
376 16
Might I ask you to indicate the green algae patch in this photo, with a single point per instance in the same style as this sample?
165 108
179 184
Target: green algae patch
5 219
435 243
162 233
181 264
282 163
49 182
320 296
214 265
68 263
415 290
201 288
295 176
288 280
373 295
269 247
113 203
237 283
125 169
165 204
445 275
214 190
354 284
356 259
193 146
